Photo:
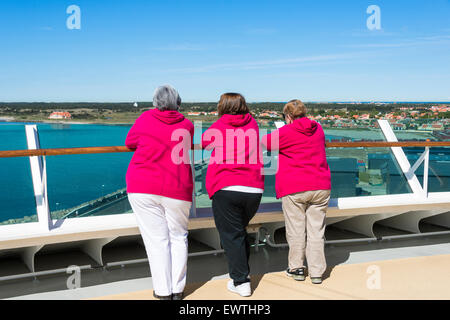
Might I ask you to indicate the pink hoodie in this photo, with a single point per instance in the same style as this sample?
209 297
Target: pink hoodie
236 158
152 169
302 162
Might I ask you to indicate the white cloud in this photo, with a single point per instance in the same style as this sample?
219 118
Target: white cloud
182 47
418 41
273 63
196 47
260 31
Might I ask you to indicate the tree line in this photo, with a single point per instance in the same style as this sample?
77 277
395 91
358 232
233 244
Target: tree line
202 106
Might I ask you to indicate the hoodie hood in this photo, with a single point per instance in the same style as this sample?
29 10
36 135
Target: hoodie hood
168 116
236 120
305 126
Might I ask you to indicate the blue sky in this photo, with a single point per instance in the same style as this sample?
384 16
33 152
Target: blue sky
267 50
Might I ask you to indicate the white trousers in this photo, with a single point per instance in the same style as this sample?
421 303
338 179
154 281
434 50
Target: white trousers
163 223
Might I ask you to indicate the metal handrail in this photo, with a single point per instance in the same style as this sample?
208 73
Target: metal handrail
116 149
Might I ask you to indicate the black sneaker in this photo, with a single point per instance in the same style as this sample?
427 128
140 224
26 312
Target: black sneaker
297 274
177 296
162 297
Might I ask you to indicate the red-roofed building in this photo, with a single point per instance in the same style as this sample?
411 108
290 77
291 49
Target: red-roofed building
60 115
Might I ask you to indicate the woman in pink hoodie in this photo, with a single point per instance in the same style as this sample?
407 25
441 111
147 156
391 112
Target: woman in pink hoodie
234 182
159 186
303 183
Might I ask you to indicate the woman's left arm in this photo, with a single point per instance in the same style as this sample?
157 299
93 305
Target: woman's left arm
133 136
271 141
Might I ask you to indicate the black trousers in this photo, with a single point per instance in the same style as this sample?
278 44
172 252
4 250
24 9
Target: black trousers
232 212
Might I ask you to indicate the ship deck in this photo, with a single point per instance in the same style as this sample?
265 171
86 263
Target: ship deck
421 278
408 268
370 226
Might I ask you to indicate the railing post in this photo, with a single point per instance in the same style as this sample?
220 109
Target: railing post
39 176
425 171
194 200
197 128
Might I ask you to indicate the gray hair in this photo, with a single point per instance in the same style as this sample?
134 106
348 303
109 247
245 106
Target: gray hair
166 98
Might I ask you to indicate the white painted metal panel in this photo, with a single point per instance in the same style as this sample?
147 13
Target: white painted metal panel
38 174
401 158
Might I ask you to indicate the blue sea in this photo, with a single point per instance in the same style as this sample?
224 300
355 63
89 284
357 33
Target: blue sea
72 179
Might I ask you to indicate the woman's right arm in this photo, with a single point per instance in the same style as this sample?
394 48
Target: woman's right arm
209 138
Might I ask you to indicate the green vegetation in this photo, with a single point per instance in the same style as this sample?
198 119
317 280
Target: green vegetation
126 112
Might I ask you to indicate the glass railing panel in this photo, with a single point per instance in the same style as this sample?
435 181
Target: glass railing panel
439 170
373 132
17 200
87 184
413 154
354 171
201 166
64 135
270 169
439 167
364 172
415 135
348 135
378 173
201 160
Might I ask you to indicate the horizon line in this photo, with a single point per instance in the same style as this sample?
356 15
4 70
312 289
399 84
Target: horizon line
248 101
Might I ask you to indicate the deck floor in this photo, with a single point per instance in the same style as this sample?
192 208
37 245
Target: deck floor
410 278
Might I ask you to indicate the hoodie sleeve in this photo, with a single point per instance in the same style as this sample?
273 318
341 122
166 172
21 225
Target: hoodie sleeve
133 135
270 141
208 138
205 141
192 132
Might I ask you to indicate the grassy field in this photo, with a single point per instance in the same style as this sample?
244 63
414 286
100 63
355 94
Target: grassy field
92 116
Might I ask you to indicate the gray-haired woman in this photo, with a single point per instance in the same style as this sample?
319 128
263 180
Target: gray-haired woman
159 186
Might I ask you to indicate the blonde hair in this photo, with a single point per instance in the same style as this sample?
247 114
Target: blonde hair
295 109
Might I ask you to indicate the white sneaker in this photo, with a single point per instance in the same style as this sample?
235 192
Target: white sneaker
244 289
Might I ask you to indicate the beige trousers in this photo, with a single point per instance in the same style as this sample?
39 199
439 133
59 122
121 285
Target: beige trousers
304 213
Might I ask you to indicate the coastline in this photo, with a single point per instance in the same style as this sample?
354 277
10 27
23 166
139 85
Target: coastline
64 122
207 121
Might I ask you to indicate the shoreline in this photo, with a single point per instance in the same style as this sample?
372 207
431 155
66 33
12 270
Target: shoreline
64 122
10 119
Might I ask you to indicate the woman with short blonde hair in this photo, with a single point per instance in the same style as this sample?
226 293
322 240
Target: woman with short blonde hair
303 183
294 109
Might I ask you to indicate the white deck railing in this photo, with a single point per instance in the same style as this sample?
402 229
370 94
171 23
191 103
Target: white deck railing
357 214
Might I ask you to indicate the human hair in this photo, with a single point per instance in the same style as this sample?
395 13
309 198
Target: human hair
295 109
166 98
232 103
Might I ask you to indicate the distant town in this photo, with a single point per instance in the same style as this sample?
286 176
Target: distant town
402 116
